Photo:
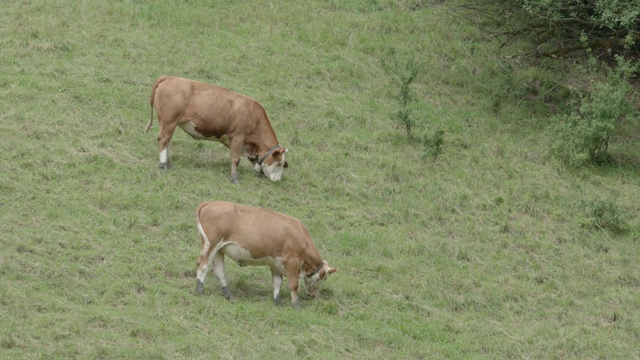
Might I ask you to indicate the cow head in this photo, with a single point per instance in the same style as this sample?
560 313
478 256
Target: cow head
313 281
272 163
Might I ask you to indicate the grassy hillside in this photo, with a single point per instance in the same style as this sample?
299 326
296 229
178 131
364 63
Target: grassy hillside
492 250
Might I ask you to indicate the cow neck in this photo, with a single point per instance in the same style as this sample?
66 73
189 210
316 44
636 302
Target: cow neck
313 256
266 155
317 270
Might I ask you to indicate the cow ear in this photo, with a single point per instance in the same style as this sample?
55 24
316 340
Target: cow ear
284 151
331 270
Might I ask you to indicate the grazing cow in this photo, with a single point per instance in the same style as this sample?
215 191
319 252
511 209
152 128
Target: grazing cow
254 236
208 112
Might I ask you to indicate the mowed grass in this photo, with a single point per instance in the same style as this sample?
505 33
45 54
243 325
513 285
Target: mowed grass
487 252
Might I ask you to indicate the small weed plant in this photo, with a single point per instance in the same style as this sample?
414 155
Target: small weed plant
433 145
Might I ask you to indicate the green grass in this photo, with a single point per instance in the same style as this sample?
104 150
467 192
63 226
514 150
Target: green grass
484 253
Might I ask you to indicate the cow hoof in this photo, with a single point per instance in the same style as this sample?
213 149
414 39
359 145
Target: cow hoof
296 305
200 288
235 181
277 301
227 294
164 166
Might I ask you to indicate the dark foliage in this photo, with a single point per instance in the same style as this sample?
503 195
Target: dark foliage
561 27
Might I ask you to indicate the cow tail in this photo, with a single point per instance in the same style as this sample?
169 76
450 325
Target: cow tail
199 209
153 95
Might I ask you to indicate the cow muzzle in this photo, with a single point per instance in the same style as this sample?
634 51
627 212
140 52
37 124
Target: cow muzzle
313 293
273 171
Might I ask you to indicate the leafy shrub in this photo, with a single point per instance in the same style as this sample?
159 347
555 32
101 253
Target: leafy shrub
583 135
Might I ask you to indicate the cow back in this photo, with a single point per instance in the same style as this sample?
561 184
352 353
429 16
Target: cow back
265 233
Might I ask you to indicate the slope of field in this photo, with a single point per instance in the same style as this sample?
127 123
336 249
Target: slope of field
492 250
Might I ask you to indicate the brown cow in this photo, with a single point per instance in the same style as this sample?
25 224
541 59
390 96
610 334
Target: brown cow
208 112
254 236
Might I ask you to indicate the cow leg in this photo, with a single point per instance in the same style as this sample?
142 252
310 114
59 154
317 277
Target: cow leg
218 270
164 137
277 282
292 275
235 151
204 262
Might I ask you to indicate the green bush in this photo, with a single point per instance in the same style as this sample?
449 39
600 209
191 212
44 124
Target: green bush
583 136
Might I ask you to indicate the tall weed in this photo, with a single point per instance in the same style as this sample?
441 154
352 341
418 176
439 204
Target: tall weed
402 76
